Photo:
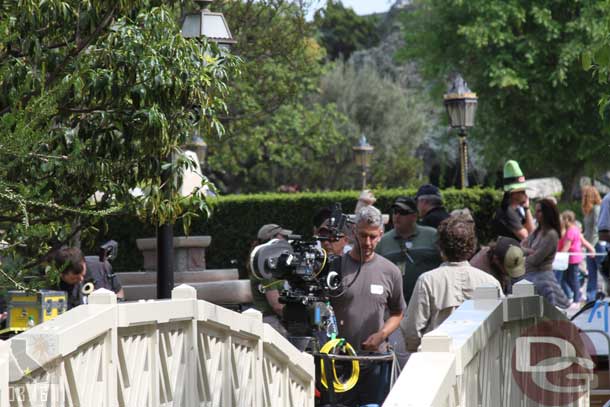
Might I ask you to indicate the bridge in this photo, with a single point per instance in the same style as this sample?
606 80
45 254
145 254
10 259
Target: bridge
189 352
178 352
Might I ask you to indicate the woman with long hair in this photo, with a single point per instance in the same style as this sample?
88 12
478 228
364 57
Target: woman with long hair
540 248
590 209
570 243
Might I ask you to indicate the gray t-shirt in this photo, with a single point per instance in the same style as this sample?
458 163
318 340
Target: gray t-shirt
590 225
362 309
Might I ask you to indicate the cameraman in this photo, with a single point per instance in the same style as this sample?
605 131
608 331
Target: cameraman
321 228
269 302
99 270
70 262
372 290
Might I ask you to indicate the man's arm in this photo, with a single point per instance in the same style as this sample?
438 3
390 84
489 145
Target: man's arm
529 220
376 339
273 298
418 315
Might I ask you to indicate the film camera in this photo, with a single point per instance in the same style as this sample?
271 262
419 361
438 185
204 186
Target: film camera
311 276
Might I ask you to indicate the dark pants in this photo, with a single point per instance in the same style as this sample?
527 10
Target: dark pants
593 265
372 387
571 280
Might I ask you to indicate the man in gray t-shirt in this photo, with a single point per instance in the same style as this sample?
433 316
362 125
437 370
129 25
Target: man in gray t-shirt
371 305
360 311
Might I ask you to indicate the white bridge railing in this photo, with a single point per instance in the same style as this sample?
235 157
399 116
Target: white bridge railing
178 352
468 360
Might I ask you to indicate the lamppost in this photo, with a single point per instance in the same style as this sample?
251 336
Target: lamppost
213 26
199 147
461 104
205 23
362 156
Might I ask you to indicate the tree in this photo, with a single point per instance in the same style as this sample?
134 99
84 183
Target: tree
94 96
274 134
342 31
536 104
392 118
596 57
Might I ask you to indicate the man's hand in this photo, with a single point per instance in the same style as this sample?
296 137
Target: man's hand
372 342
525 203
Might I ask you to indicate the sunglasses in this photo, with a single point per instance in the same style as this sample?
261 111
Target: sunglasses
403 212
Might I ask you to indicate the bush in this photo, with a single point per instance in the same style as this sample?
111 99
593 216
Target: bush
237 218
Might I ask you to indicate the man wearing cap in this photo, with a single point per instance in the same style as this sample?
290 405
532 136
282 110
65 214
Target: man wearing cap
502 259
337 246
269 302
410 246
440 291
430 206
513 218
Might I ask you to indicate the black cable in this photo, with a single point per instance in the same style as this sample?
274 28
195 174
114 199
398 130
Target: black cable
357 272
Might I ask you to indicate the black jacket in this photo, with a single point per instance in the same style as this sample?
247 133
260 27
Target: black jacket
434 217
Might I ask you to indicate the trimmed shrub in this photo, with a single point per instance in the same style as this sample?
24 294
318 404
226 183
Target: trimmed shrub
237 218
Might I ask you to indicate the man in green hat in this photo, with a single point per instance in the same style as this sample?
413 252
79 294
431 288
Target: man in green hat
513 218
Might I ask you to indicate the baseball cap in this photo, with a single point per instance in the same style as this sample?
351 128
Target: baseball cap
511 255
427 189
406 204
269 231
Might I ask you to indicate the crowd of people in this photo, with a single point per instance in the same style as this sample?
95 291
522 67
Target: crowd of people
407 281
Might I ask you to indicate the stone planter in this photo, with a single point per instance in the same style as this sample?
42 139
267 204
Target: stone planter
189 252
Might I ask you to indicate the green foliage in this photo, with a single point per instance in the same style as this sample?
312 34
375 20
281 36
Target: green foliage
523 60
237 218
94 96
341 31
392 118
596 57
274 133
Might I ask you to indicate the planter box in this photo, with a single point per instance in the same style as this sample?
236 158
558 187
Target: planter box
189 252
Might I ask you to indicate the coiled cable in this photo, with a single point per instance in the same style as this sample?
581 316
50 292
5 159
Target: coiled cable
340 387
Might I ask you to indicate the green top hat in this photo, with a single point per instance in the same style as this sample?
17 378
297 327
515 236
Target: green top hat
513 177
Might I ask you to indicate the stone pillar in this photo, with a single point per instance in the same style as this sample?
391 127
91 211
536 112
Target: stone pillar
189 253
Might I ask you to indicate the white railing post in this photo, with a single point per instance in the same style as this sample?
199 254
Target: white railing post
4 362
258 379
189 393
110 354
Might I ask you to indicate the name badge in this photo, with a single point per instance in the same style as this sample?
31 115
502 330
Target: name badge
376 289
409 245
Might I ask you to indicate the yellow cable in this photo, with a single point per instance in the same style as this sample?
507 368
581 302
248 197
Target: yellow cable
270 284
323 263
337 385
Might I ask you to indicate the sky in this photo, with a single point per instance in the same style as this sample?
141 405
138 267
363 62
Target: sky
361 7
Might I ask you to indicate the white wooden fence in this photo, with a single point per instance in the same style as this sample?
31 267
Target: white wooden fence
178 352
467 360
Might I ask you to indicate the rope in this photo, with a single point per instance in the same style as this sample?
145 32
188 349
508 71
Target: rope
338 386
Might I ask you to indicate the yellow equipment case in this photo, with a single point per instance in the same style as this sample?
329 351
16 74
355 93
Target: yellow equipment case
42 306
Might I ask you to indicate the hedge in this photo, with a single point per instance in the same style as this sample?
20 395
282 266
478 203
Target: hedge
237 218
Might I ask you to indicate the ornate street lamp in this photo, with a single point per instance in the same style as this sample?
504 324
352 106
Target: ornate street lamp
362 156
199 147
461 104
207 24
214 27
